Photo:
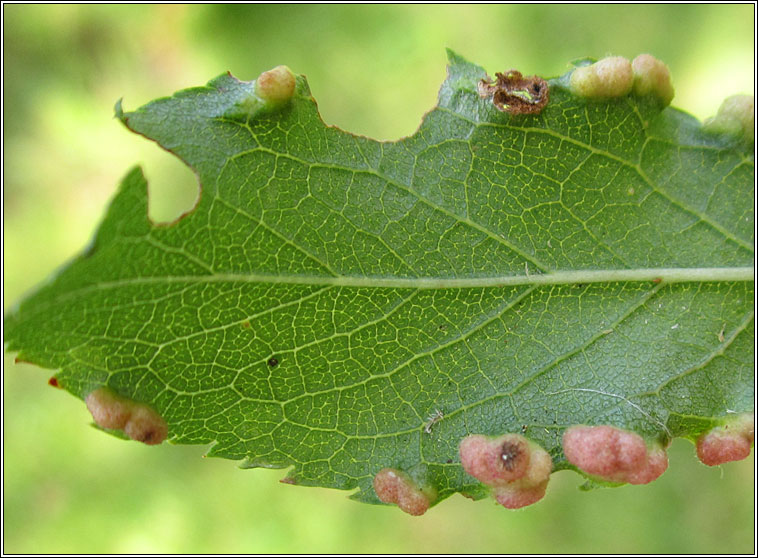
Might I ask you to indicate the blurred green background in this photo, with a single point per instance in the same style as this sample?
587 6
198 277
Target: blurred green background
374 71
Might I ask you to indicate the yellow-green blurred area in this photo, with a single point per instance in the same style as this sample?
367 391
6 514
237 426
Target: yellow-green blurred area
374 70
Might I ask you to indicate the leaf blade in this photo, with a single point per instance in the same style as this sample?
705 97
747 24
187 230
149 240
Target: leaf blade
498 269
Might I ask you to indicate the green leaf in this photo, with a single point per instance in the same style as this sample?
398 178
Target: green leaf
591 264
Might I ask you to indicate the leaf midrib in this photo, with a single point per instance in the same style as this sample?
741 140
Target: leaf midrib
655 274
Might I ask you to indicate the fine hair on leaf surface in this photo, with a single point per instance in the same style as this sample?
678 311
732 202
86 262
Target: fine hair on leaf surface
541 255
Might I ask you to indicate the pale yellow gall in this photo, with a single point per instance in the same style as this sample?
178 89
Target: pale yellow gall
276 85
137 420
651 76
736 117
605 79
540 467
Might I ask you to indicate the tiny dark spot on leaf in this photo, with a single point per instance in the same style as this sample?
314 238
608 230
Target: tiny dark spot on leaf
449 461
720 334
246 324
54 382
273 361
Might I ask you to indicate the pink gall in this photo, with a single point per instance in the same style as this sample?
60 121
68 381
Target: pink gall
516 469
395 487
729 442
613 454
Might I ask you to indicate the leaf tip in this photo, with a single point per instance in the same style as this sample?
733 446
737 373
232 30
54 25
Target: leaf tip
127 213
458 67
19 359
119 111
453 57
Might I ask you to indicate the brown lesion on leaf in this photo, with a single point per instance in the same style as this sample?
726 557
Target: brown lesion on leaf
53 381
513 93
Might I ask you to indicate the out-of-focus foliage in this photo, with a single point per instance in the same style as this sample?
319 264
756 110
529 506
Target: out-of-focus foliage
375 70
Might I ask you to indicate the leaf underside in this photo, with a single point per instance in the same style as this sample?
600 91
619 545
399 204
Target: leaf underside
329 293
